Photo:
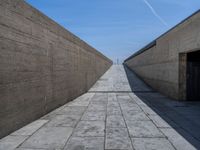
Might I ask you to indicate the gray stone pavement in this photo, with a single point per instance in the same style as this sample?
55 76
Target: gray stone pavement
109 117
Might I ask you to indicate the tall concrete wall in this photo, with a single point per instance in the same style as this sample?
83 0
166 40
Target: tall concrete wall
159 65
42 65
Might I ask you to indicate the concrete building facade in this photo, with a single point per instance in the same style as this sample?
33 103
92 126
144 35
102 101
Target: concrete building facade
171 63
42 65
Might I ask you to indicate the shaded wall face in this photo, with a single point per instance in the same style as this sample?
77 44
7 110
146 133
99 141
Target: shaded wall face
160 65
42 66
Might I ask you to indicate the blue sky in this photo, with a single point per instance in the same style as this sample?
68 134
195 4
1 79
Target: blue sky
117 28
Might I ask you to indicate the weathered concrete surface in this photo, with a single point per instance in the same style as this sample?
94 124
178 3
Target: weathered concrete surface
160 66
106 120
42 65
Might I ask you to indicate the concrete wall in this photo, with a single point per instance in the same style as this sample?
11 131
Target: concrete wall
42 65
159 65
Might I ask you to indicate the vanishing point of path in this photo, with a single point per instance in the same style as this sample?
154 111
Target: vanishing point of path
113 115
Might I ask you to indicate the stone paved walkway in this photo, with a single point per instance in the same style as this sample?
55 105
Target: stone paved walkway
109 117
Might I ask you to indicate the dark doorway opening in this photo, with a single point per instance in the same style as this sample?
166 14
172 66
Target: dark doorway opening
193 76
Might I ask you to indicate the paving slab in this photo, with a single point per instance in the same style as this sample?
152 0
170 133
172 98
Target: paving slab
135 115
72 110
143 129
112 97
85 143
96 107
115 121
152 144
129 107
94 116
30 128
49 138
100 97
124 97
90 128
113 80
64 121
99 103
113 104
148 110
117 138
11 142
179 142
53 113
159 122
137 100
113 111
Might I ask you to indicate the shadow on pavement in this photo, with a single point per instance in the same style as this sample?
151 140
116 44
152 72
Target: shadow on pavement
184 117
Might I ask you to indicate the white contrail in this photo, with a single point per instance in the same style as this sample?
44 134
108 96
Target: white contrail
155 13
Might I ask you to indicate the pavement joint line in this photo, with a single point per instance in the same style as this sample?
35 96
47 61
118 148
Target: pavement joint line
32 134
77 124
125 123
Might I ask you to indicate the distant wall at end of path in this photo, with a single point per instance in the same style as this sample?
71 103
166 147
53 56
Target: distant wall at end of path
42 65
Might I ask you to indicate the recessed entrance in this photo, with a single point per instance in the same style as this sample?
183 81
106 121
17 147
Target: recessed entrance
193 76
